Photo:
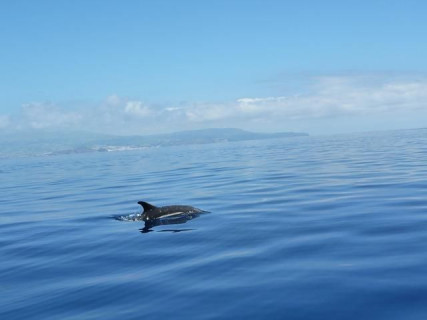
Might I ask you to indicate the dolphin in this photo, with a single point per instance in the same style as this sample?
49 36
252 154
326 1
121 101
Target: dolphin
175 211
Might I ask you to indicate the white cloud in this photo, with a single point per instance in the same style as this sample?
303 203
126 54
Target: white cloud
209 112
45 115
137 108
113 100
340 97
329 99
4 121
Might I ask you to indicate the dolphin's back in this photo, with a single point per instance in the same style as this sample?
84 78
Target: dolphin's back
152 212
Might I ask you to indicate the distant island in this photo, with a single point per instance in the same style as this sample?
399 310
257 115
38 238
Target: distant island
200 137
67 142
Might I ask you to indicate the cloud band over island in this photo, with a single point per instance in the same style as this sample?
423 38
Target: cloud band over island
331 97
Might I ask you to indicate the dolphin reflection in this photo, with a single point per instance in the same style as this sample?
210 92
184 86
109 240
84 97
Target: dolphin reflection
178 219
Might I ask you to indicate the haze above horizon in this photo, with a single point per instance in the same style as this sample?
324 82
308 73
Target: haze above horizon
147 67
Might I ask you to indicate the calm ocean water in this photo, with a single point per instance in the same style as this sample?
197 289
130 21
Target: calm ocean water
300 228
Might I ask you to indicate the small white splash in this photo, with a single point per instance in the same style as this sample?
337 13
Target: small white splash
118 148
130 217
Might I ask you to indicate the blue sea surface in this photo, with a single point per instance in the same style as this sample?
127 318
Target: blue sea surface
331 227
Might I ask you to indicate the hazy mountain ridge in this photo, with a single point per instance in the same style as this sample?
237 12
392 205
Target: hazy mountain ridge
51 142
200 136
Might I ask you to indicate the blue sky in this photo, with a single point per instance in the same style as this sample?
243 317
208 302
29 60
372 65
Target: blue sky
156 66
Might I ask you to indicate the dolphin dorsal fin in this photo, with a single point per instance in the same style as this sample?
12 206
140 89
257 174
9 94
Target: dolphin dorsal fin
146 206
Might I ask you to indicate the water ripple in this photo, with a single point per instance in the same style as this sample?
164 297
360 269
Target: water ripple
308 228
